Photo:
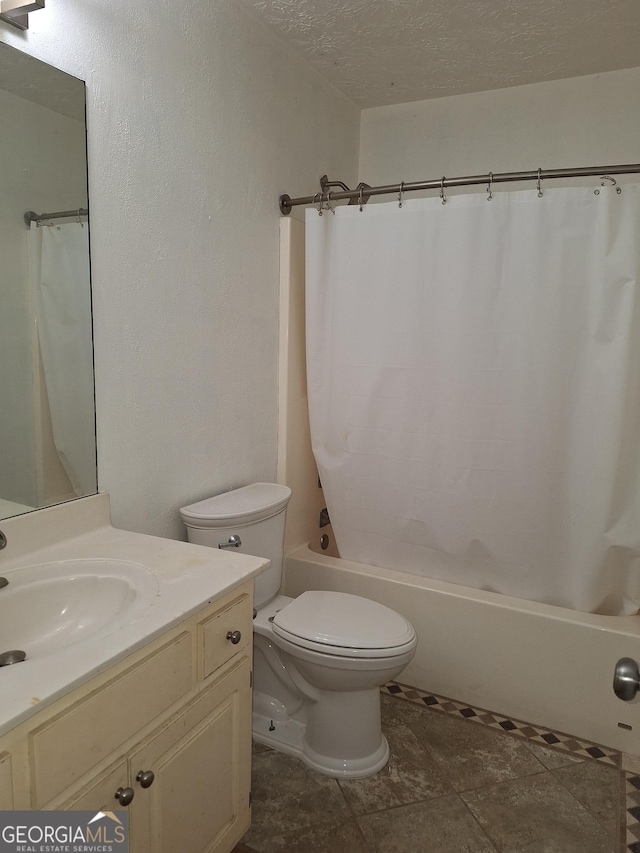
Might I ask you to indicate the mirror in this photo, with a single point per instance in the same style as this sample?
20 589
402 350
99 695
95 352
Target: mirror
47 411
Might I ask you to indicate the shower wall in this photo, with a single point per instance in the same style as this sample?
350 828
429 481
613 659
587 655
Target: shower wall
296 465
582 121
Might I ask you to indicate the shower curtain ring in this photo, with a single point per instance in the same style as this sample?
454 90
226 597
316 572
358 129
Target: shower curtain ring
540 193
400 193
614 183
360 201
442 195
490 196
332 209
320 204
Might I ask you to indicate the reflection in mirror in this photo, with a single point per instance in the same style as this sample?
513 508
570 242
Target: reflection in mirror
47 413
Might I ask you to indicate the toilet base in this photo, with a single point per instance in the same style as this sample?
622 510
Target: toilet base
288 736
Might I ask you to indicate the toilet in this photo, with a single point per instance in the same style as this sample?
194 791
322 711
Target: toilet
320 658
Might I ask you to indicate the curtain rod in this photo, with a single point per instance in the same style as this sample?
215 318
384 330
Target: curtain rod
30 216
363 192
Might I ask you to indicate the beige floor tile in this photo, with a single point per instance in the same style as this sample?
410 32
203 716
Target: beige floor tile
410 776
552 758
345 837
438 826
471 754
399 712
451 786
288 796
537 815
597 787
631 763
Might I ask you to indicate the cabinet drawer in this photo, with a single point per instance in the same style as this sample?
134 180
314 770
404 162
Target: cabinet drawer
78 738
214 649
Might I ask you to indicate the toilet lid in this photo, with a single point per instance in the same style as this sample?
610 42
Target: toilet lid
242 506
337 619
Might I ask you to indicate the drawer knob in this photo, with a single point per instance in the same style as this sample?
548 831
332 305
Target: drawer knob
124 796
145 777
234 636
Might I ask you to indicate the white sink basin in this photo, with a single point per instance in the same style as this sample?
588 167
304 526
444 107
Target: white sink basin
48 607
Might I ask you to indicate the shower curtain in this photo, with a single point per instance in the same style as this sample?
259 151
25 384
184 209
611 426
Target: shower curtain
474 390
59 266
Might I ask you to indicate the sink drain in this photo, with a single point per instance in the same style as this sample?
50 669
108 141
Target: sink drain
14 656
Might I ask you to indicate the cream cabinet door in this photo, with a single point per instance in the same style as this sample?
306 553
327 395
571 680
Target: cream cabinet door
6 782
198 801
100 793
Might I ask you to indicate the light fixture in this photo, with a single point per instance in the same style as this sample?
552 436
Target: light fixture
16 12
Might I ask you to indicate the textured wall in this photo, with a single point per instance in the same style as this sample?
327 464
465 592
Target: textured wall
197 118
585 121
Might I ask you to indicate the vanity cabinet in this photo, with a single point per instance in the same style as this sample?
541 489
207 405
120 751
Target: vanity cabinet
196 760
165 733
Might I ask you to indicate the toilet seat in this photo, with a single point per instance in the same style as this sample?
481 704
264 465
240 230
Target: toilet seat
344 625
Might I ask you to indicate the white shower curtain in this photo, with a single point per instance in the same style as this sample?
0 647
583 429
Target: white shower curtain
474 390
59 264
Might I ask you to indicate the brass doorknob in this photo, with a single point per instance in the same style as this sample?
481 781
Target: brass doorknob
234 636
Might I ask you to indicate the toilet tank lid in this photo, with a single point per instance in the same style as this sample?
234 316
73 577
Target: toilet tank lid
240 506
345 620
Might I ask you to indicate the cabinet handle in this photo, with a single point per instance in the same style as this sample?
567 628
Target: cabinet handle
145 777
124 796
234 636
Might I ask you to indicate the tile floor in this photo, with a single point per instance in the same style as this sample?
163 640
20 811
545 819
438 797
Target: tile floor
459 779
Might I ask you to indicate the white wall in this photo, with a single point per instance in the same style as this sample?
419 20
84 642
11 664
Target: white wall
198 119
583 121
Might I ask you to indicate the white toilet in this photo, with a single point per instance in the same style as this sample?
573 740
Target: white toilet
319 659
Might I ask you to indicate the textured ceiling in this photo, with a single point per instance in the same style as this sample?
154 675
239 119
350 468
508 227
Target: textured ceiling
380 52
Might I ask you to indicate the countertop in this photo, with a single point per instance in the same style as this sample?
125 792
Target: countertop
185 578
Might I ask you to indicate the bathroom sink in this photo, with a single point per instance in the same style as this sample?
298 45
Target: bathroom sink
51 606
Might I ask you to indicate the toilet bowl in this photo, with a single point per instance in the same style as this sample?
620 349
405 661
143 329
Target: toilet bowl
320 658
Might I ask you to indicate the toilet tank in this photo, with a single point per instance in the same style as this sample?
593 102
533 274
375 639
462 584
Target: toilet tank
256 514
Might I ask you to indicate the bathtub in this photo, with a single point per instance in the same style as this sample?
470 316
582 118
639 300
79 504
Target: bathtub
538 663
